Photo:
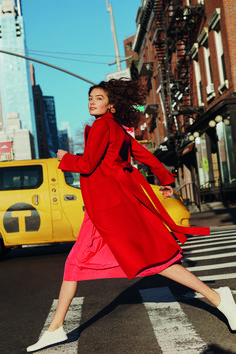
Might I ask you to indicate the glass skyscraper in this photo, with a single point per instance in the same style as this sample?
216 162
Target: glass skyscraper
50 112
15 85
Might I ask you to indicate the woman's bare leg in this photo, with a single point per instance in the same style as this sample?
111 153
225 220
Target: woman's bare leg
67 292
181 275
55 333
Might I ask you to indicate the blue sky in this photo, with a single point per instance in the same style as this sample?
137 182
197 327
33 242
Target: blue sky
75 35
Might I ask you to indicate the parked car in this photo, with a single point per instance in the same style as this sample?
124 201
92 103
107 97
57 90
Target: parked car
41 204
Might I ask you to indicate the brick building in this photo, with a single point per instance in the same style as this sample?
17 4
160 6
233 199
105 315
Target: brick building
187 51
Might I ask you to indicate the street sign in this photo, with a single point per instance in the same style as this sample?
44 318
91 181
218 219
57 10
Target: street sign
119 74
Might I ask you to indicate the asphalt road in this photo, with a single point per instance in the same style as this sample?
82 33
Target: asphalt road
119 316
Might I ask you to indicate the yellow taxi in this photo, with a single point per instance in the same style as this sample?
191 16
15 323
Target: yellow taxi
42 204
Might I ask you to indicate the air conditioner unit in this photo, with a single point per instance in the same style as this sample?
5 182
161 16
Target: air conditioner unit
210 89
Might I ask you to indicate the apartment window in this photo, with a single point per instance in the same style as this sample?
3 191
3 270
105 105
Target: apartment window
194 56
214 24
220 57
129 46
203 41
210 85
199 82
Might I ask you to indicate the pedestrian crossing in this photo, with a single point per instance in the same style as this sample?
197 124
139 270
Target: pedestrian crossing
71 324
212 257
173 331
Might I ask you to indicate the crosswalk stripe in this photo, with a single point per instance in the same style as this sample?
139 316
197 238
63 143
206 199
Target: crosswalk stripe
216 235
213 266
71 325
173 331
223 231
212 249
217 277
221 241
212 240
211 256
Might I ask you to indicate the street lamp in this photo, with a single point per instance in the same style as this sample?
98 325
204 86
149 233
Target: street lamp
218 119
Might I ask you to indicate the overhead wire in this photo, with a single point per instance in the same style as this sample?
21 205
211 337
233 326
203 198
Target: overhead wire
39 53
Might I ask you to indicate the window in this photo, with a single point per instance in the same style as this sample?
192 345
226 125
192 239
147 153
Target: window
194 56
226 152
72 179
199 82
210 85
129 46
202 161
21 177
214 24
203 41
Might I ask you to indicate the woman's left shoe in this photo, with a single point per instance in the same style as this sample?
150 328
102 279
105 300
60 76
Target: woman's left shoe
227 306
49 338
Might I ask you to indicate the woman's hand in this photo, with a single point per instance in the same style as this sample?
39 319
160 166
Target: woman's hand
167 191
60 154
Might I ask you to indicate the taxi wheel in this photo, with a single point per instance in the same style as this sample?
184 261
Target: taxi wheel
3 249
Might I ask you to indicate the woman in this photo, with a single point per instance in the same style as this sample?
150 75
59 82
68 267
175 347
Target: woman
126 231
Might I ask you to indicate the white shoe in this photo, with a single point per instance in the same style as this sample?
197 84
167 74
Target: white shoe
227 306
49 338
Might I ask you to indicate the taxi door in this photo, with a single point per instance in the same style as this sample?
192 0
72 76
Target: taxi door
25 212
72 204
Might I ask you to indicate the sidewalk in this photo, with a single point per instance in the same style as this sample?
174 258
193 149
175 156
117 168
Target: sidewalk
214 215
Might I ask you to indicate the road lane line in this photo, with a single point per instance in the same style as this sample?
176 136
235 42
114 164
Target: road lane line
71 326
173 331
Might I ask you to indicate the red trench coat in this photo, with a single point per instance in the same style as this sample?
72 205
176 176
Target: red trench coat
115 193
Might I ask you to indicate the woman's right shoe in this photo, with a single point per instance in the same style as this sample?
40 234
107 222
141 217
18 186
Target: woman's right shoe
227 306
49 338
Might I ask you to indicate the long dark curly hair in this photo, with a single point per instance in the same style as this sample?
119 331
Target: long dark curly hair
126 95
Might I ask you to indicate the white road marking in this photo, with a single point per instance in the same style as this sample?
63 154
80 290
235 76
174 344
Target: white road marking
212 266
212 235
211 256
71 324
195 295
173 331
219 241
212 249
217 277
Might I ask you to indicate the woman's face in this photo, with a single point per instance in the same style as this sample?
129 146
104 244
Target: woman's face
98 102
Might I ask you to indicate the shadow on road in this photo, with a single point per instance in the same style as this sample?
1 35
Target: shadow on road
131 295
215 349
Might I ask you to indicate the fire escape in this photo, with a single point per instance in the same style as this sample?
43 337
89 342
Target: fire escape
177 28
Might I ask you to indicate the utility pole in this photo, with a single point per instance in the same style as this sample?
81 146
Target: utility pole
117 55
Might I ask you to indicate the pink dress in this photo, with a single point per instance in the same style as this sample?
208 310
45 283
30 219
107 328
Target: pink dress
91 258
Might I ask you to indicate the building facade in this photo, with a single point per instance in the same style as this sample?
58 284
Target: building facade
187 52
11 138
15 87
50 112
